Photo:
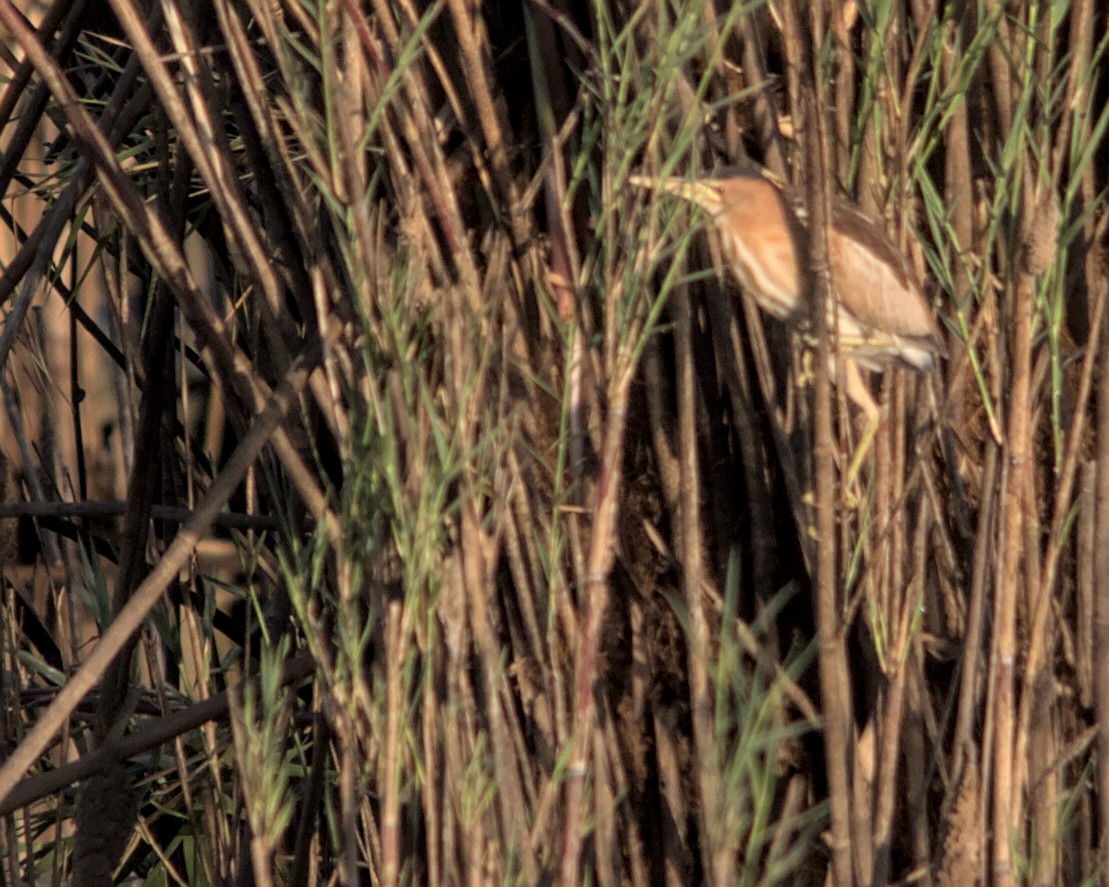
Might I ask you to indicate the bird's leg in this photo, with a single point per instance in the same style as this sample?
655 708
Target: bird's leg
806 375
859 393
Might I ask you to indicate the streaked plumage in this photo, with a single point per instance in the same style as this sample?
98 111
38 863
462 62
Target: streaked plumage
879 313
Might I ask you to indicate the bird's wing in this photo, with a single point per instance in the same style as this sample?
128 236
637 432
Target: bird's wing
873 279
876 283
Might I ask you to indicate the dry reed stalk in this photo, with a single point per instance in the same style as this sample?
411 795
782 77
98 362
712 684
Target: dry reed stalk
1100 646
128 620
834 677
698 644
595 598
503 681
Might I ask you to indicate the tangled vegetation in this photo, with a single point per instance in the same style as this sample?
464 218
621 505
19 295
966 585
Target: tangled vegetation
396 494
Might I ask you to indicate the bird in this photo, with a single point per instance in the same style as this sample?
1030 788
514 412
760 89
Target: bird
877 313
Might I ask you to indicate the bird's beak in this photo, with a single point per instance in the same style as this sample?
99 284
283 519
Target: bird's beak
695 192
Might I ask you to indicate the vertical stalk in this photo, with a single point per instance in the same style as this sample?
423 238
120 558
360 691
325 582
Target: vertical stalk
1009 585
700 692
1100 653
595 597
834 682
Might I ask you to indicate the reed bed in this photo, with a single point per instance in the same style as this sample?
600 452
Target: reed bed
393 494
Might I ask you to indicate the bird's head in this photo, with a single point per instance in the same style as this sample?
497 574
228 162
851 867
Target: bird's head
717 194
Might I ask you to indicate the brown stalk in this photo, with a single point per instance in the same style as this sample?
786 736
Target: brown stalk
31 110
765 108
657 396
844 92
899 674
261 107
1100 652
430 788
1085 557
479 552
390 758
970 684
418 131
563 257
103 509
230 365
148 736
958 188
834 680
626 824
1041 640
959 197
149 592
26 269
141 487
535 606
594 596
604 818
455 832
1037 746
474 56
198 130
1017 453
675 843
691 536
1001 50
1006 791
21 72
738 385
917 767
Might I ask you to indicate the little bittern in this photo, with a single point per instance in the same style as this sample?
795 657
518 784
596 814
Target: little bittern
877 313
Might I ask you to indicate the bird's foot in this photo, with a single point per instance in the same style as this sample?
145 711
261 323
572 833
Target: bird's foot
850 498
806 375
861 451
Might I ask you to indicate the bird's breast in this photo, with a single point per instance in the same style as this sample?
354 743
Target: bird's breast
766 265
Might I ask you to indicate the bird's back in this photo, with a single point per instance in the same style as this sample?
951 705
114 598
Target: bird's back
884 317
